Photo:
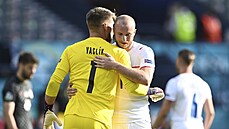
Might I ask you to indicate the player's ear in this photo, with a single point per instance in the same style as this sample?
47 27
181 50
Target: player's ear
104 26
20 65
135 31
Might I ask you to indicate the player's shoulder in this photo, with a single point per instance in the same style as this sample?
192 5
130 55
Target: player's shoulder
9 84
141 47
198 78
174 79
116 48
118 51
28 83
75 46
77 43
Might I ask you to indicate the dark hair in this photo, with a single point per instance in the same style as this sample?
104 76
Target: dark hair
187 56
26 58
96 16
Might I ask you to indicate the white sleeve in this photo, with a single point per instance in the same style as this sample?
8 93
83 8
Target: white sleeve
208 92
147 57
171 90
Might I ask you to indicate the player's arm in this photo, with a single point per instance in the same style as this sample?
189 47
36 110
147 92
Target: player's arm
57 77
209 113
9 99
147 63
52 90
131 86
164 111
50 97
147 73
8 111
138 76
168 103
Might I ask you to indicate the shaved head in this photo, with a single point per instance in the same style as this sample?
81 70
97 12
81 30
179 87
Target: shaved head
124 30
125 21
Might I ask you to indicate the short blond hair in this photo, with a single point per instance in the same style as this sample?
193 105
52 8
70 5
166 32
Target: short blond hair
96 16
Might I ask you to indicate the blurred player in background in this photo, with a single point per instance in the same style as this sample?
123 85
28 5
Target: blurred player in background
131 111
17 94
186 96
93 105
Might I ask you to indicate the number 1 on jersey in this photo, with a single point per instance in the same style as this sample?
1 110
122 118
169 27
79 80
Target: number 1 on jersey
91 77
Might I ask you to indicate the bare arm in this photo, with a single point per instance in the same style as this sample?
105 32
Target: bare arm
50 100
143 76
147 73
209 113
8 109
166 105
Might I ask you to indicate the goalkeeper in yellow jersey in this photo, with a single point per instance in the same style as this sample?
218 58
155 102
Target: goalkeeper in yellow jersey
93 105
131 111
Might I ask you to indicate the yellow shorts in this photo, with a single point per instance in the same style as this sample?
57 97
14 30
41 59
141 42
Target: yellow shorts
78 122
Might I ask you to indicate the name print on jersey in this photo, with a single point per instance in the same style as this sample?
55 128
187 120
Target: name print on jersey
94 51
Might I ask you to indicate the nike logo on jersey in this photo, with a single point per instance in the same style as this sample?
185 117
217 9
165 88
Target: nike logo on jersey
94 51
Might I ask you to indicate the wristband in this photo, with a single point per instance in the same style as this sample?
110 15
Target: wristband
47 107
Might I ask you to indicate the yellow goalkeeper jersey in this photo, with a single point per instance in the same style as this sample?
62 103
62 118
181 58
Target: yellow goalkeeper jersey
96 87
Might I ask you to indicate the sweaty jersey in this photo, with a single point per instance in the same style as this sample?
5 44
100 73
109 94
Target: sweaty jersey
189 92
130 107
96 87
19 92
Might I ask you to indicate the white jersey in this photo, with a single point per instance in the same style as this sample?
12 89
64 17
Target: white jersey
130 107
189 92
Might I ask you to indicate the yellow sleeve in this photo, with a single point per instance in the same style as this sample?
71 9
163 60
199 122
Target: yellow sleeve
134 88
58 75
131 87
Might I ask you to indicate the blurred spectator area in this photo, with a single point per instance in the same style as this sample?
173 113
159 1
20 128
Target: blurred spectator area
29 20
149 15
5 60
65 20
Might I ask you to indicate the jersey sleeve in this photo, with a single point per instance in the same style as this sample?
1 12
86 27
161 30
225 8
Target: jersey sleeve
131 87
8 92
59 74
147 57
171 90
208 92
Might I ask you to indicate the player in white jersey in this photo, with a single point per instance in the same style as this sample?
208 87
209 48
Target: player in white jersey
186 96
131 111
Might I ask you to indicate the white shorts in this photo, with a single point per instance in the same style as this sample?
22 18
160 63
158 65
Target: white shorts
133 125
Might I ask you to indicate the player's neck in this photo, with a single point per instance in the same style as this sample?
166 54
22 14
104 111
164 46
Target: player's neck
19 76
186 70
96 34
